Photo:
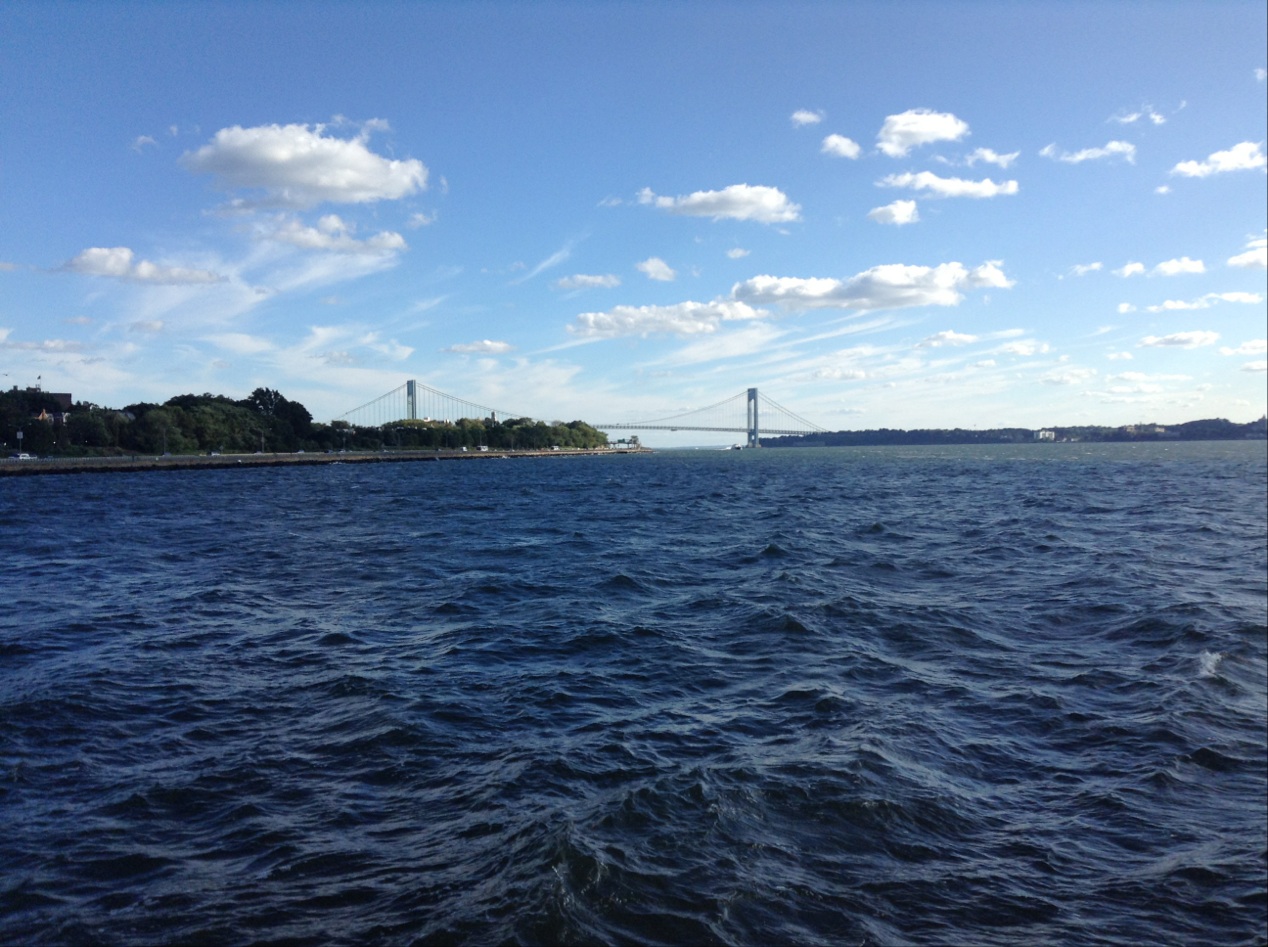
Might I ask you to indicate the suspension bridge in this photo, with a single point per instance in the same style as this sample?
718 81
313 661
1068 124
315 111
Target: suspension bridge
748 413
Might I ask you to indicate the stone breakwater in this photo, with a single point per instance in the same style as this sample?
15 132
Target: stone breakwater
73 465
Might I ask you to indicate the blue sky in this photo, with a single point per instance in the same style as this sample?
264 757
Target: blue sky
882 215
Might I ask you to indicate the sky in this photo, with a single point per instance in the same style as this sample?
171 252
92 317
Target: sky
904 215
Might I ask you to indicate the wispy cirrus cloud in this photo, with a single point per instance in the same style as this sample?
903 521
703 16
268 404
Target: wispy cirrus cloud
1113 149
481 347
588 281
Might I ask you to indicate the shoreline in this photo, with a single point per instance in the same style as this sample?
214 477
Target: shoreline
85 465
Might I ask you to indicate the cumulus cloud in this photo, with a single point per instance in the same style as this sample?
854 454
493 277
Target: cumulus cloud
301 166
1255 367
946 337
334 235
890 286
948 187
1082 269
806 117
915 127
482 347
1181 265
899 212
840 146
120 263
656 269
1183 340
683 319
987 156
1256 255
588 281
1130 269
1122 149
1124 308
1245 156
766 205
737 253
1253 347
1024 348
141 141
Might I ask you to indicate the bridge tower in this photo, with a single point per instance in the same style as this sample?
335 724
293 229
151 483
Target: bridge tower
411 400
752 419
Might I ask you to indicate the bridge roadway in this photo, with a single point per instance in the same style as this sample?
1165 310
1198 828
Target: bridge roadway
687 427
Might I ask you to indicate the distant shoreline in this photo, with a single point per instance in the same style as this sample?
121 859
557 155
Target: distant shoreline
130 464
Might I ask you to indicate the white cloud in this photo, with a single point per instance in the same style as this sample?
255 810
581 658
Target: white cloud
988 156
1144 112
890 286
737 253
899 213
766 205
806 117
141 141
482 347
1261 74
1241 157
149 326
656 269
684 319
1206 302
420 220
300 166
1124 308
840 146
948 187
915 127
1068 376
1184 340
1253 347
1255 367
946 337
1119 356
334 235
1082 269
587 281
1182 265
239 343
1123 149
1256 255
1130 269
118 262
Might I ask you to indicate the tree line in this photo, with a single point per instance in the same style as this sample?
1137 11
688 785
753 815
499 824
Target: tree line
263 421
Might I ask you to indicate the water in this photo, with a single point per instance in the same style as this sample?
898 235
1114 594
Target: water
859 696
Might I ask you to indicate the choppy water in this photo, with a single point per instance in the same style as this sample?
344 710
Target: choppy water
889 696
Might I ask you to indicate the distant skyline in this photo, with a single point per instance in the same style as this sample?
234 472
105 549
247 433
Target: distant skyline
881 214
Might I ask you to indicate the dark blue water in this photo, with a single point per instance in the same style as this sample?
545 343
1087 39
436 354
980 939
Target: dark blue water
888 696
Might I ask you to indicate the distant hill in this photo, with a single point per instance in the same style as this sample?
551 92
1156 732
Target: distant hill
1212 429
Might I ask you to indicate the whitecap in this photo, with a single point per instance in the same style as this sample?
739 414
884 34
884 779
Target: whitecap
1210 662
